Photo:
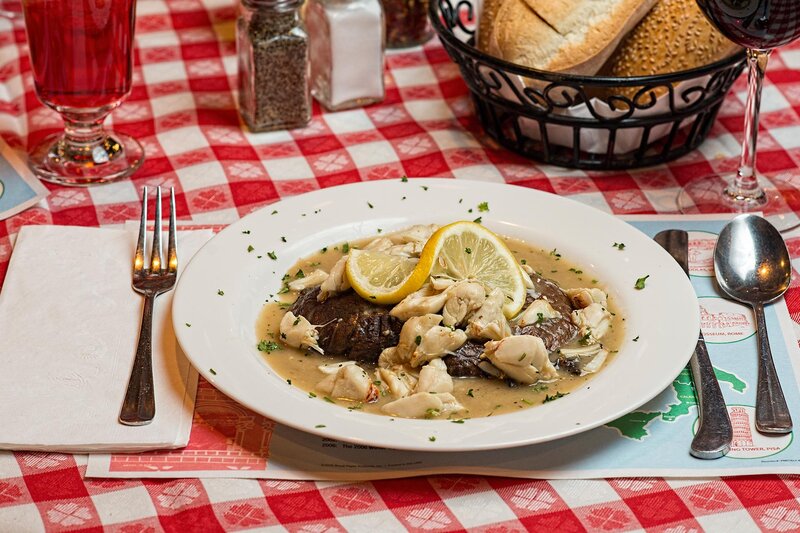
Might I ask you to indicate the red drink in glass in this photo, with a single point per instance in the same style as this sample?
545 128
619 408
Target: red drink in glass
82 57
81 50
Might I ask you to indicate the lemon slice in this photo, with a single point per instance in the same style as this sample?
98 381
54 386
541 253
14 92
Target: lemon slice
383 278
466 250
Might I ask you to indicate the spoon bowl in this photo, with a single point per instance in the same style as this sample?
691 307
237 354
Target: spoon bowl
752 265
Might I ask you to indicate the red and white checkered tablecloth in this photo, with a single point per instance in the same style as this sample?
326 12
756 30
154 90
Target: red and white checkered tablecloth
183 111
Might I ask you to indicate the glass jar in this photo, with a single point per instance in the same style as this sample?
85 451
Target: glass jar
346 40
407 23
272 46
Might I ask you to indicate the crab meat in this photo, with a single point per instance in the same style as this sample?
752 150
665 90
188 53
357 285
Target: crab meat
584 297
527 272
333 368
523 358
419 233
436 342
317 277
441 284
536 312
389 357
399 382
488 322
593 321
298 332
336 280
424 301
434 378
350 382
463 298
381 244
411 335
595 364
422 405
409 249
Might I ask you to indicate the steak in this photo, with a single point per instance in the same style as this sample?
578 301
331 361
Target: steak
349 325
463 363
554 332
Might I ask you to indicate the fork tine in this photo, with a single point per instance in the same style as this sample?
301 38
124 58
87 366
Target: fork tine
138 258
155 255
172 250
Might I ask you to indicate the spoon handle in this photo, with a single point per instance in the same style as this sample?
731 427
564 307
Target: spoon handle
772 413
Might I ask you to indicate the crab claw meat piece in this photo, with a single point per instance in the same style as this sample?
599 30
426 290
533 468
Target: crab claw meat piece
317 277
381 244
397 381
593 321
419 233
595 364
333 368
488 322
351 382
424 301
436 342
584 297
523 358
463 298
422 405
336 281
433 377
526 276
411 335
538 310
298 332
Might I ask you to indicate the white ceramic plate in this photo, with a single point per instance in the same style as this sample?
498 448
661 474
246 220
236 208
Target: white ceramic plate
664 316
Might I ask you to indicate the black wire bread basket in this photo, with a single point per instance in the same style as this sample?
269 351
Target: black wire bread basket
587 122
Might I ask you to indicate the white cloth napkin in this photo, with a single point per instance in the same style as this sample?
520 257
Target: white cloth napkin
69 324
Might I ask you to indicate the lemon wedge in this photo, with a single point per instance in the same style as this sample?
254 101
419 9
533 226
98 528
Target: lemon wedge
383 278
466 250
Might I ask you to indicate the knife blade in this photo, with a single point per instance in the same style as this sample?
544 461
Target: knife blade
714 430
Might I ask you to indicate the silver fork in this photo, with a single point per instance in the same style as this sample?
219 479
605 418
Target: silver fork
139 406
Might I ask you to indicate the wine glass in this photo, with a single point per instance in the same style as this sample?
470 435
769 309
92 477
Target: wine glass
82 58
760 26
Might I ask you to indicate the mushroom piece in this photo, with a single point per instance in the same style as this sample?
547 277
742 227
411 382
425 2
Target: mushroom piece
436 342
317 277
350 382
523 358
488 322
536 312
433 377
298 332
584 297
422 405
399 382
424 301
336 281
411 335
463 298
593 321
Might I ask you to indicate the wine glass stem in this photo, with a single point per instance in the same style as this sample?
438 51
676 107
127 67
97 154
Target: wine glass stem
85 141
745 185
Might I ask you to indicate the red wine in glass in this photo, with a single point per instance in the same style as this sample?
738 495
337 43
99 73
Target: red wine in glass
82 57
759 26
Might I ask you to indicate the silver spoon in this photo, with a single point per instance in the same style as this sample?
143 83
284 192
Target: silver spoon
752 265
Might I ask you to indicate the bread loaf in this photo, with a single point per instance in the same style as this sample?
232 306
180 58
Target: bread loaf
674 36
573 36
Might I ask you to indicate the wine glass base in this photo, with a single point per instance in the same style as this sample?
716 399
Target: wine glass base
710 195
115 158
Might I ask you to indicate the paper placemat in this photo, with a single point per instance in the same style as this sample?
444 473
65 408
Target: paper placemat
228 440
19 188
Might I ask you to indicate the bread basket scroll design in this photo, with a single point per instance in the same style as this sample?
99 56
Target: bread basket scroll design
587 122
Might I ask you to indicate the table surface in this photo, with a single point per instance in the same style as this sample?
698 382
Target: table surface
182 109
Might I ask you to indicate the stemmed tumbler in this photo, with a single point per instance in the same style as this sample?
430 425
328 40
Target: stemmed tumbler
760 26
82 56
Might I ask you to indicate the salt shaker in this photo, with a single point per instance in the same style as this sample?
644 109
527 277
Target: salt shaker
346 39
272 47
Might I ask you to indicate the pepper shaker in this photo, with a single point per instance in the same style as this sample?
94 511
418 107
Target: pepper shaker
272 48
346 39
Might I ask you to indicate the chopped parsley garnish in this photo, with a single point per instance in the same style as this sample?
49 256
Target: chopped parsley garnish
636 339
539 387
320 426
268 346
459 421
312 395
640 283
527 401
469 393
370 205
188 325
521 357
619 245
554 253
275 212
284 289
404 179
418 339
345 247
246 232
478 220
539 318
576 270
296 321
250 248
289 381
272 256
468 250
432 413
213 372
324 250
220 292
523 262
556 396
404 197
585 340
327 399
283 239
424 187
483 207
432 438
300 274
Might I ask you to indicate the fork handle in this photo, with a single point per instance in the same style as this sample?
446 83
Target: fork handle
139 406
